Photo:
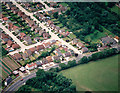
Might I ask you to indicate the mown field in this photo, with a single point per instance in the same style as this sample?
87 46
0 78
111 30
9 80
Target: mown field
101 75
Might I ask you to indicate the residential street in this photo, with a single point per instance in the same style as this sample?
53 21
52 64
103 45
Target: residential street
13 37
54 36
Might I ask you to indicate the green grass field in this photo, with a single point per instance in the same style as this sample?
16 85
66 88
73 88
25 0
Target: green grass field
101 75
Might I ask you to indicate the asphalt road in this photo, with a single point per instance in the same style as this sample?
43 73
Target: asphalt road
19 83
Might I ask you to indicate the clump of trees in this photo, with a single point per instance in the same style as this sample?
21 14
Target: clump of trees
49 82
4 52
90 17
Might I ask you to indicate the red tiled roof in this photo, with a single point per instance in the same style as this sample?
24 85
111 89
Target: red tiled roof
15 46
9 42
5 18
31 65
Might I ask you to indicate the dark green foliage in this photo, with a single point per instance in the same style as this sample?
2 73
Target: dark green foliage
24 88
104 54
57 61
50 82
90 17
83 60
72 63
4 52
55 15
63 66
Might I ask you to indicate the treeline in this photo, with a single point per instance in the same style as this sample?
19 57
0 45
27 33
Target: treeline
51 82
84 59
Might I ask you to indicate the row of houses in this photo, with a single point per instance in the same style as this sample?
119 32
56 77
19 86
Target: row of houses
11 45
30 22
28 52
32 8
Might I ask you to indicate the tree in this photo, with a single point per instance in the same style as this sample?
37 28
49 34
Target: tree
4 52
24 88
84 59
57 61
50 81
63 66
55 15
72 63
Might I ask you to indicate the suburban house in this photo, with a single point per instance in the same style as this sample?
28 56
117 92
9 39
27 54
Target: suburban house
31 66
17 56
75 41
31 9
80 45
117 38
49 22
22 69
40 16
40 47
37 39
108 40
46 35
84 50
47 45
49 58
28 52
15 46
55 58
22 35
4 19
41 32
37 29
9 43
52 26
25 56
15 72
9 5
32 49
52 4
67 54
57 28
44 61
39 6
4 37
38 63
27 40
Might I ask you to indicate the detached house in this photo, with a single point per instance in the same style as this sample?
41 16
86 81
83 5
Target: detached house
27 40
31 66
80 45
75 41
46 35
28 52
84 50
15 46
17 56
49 22
47 45
108 40
22 35
25 56
9 43
40 47
49 58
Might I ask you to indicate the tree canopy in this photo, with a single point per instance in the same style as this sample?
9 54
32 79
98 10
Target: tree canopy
49 82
